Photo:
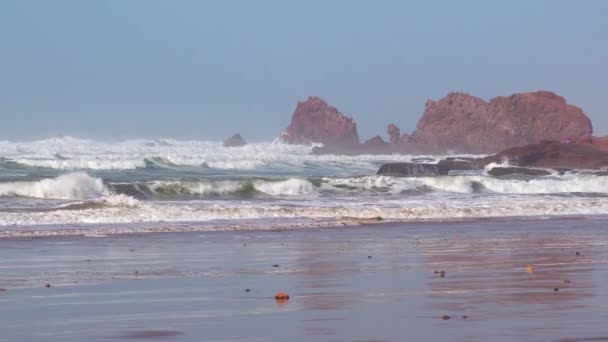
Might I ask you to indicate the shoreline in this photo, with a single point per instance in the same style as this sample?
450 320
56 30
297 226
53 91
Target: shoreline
133 229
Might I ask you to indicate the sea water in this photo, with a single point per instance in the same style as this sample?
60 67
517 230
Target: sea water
67 185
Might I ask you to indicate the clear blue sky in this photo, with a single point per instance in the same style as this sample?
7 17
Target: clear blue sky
204 69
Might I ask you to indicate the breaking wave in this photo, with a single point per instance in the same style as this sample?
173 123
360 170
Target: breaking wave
69 153
77 185
81 186
543 185
162 180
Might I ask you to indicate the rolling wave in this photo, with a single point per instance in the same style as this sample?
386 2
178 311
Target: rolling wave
82 186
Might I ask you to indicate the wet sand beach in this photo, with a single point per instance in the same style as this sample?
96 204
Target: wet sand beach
485 280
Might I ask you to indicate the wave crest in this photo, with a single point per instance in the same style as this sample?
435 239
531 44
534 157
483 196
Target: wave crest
75 185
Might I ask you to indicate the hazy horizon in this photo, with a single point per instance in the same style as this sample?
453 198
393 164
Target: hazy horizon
205 70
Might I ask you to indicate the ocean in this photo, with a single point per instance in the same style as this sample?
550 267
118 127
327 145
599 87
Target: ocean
72 186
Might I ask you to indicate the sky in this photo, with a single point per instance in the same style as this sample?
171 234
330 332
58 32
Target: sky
203 70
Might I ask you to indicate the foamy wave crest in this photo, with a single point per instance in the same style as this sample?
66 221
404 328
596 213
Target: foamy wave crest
68 153
545 185
289 187
373 184
330 213
76 185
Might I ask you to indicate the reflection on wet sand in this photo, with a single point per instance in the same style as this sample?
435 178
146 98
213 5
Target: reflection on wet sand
511 272
514 282
323 275
322 271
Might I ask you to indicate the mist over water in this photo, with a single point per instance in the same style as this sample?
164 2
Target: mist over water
59 183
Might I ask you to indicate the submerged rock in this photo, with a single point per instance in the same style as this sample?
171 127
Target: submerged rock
504 171
411 170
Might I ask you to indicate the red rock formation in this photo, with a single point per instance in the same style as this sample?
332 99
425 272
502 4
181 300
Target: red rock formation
314 121
600 142
552 155
374 145
235 141
463 123
393 134
529 160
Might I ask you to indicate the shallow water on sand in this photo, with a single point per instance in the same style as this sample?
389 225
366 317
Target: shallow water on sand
372 283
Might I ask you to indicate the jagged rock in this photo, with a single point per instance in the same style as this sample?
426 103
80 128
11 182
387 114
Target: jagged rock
374 145
393 134
405 138
314 121
463 123
235 141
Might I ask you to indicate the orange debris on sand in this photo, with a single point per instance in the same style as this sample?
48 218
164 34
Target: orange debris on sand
281 296
529 269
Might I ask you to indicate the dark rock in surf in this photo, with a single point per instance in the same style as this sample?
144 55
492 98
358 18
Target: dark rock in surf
458 164
423 160
504 171
552 156
235 141
411 170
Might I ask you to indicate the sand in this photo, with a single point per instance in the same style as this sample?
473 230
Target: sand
504 280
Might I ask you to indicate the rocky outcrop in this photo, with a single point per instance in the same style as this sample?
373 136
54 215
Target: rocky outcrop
375 145
531 160
600 142
411 170
463 123
235 141
394 134
314 121
457 123
507 171
552 155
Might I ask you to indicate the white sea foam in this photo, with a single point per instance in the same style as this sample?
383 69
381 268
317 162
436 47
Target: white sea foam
68 153
291 186
259 181
76 185
545 185
389 210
